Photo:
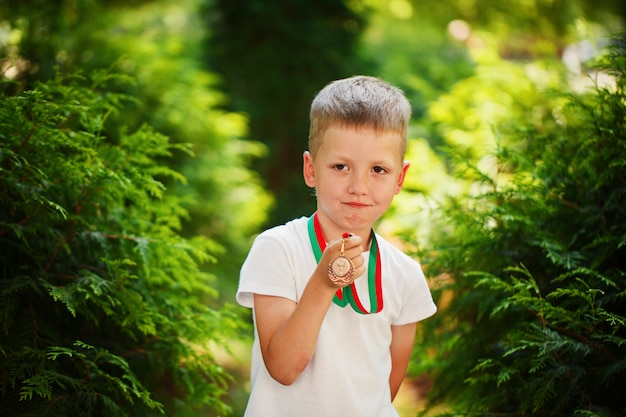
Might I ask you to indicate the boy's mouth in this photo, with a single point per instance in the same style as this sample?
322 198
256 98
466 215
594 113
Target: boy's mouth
356 204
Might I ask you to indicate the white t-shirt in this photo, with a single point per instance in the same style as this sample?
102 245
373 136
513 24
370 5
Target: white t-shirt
349 372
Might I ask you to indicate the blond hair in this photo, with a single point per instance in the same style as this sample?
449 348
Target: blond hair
359 101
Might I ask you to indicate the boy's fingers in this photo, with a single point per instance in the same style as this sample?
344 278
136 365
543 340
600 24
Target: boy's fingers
351 240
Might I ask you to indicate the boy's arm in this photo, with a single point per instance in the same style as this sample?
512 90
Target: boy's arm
287 330
402 340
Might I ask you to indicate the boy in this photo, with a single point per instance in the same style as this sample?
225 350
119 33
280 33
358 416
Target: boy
335 306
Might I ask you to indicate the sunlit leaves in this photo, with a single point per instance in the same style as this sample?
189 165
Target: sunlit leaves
539 326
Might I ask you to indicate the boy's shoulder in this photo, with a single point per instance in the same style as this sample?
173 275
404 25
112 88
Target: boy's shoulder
292 226
286 234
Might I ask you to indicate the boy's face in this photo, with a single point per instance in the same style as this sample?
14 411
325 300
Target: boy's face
356 173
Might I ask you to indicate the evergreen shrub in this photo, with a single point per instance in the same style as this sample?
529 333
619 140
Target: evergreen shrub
104 309
532 316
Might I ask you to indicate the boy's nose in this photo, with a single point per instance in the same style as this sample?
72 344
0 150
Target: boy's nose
358 185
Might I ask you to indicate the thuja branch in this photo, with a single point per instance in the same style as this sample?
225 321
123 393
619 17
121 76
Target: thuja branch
574 335
70 234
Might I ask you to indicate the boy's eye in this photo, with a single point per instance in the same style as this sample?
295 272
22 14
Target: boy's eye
340 167
379 170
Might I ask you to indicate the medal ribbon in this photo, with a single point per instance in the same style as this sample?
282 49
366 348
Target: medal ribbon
348 294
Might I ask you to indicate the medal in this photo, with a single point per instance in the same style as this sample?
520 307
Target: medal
348 294
341 269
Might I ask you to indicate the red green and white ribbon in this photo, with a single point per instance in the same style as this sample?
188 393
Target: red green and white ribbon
348 294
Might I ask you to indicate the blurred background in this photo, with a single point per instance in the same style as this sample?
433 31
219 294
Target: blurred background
233 80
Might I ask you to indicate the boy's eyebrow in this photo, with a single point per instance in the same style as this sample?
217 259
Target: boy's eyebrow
348 159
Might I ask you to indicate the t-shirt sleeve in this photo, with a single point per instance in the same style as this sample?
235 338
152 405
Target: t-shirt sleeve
267 270
417 301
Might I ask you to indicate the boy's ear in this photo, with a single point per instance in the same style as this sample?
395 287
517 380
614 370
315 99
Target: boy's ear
402 176
308 170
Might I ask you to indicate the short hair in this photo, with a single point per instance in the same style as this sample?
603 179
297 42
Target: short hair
359 101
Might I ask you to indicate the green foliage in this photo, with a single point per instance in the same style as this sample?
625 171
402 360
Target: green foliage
161 48
527 29
159 45
273 57
103 305
414 54
539 326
